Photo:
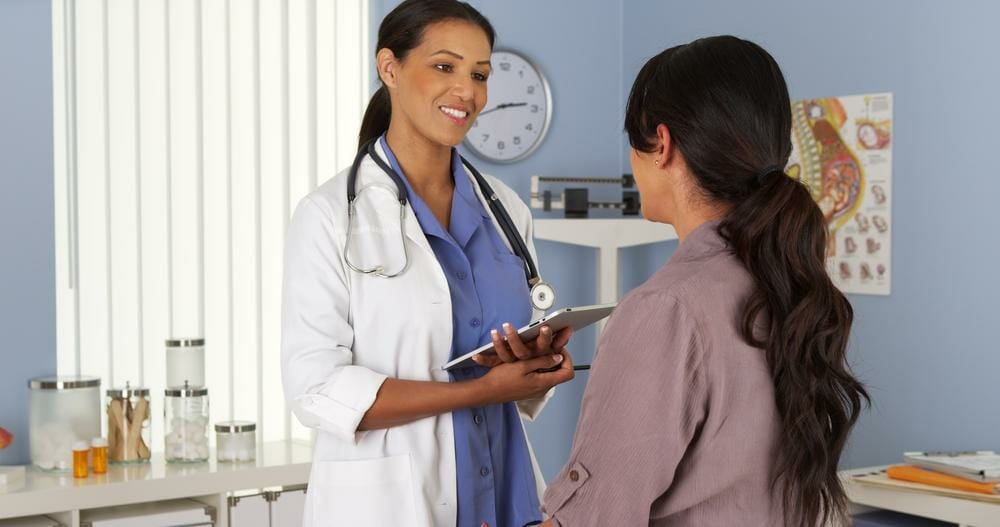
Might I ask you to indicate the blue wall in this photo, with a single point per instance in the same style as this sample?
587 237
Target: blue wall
928 352
27 260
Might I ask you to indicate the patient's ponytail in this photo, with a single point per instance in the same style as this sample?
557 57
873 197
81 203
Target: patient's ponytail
726 105
401 31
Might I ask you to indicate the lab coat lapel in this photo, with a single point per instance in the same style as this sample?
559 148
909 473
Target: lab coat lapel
413 230
390 211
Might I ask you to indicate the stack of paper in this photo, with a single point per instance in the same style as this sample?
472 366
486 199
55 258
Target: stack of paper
939 479
882 479
982 466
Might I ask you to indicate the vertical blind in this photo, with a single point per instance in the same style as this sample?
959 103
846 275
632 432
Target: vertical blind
185 133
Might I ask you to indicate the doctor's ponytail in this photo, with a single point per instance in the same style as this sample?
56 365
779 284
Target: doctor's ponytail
376 119
727 107
401 31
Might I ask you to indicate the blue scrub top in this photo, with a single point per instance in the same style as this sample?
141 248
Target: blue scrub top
496 482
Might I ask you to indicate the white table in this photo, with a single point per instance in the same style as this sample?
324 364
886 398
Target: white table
963 512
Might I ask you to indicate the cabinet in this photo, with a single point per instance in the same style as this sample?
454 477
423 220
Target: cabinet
269 508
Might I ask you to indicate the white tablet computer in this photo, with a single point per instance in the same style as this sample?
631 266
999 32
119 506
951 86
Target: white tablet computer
574 317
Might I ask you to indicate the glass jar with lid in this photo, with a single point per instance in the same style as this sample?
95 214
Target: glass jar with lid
129 414
236 441
63 410
185 418
185 362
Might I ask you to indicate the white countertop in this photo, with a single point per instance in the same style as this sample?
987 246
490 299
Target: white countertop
603 232
279 463
950 509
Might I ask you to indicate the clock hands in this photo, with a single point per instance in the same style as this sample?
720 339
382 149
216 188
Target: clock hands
502 106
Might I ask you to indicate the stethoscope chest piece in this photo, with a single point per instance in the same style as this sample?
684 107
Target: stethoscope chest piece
543 296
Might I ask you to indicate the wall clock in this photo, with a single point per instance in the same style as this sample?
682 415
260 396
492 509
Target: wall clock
518 111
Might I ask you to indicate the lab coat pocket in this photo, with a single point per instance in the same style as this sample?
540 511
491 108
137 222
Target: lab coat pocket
362 492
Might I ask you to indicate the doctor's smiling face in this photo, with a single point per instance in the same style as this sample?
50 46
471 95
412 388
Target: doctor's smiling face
439 87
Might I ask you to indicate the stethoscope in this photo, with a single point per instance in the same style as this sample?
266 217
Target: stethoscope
542 295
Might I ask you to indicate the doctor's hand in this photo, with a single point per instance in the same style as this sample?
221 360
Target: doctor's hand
525 379
513 349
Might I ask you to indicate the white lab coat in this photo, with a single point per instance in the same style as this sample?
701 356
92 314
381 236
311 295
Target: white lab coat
344 333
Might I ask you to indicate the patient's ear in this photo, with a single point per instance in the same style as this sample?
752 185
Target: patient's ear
664 145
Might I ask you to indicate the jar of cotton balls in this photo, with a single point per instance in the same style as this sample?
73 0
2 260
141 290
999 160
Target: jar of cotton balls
236 441
63 410
185 418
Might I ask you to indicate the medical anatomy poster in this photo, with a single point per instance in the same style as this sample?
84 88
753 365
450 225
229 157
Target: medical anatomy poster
842 151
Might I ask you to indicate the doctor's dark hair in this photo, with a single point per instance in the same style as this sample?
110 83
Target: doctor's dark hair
401 31
726 106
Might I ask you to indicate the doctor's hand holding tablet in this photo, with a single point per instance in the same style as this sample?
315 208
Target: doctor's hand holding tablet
534 339
526 370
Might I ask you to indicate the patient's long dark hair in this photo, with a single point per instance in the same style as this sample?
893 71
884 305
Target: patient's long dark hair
726 105
401 31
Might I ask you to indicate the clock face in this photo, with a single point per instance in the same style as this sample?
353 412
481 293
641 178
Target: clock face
517 113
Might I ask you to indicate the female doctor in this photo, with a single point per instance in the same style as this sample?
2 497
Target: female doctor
398 265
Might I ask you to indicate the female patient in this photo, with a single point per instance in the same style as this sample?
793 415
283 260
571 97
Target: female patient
720 394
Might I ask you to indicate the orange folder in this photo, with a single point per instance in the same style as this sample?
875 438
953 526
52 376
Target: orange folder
937 479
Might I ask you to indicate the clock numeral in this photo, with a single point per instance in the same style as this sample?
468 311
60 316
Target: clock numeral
531 89
505 66
520 74
486 137
529 127
534 108
501 145
517 139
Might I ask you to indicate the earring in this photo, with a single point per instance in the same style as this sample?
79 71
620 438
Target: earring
657 162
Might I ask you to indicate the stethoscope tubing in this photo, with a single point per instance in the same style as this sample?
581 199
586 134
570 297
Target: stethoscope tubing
506 224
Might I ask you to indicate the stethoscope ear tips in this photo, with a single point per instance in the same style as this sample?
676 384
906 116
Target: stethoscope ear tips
543 296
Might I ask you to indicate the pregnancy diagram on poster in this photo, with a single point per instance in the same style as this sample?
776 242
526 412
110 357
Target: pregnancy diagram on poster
842 151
